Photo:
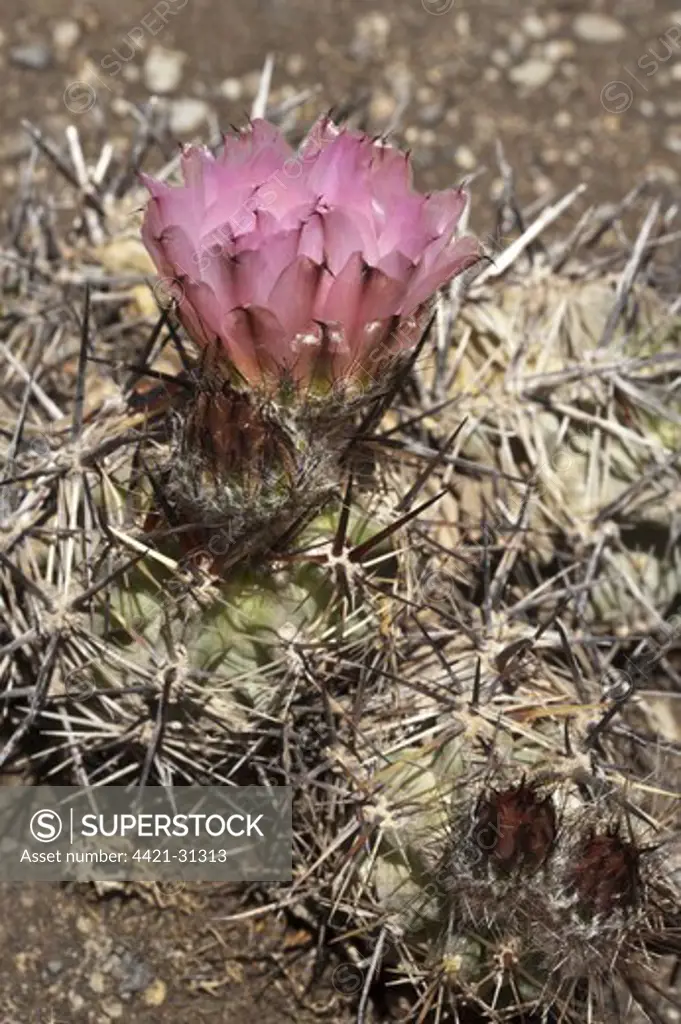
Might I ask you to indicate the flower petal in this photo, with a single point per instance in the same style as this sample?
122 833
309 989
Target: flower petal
296 261
258 338
453 260
292 297
342 302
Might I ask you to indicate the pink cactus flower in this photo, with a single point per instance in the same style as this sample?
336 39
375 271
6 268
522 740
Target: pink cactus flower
315 265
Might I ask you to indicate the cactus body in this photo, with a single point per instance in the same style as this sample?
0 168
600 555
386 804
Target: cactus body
476 713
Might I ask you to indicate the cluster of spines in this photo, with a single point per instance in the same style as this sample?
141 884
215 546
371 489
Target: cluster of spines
544 895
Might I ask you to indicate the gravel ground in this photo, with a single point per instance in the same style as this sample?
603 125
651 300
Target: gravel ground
69 957
573 96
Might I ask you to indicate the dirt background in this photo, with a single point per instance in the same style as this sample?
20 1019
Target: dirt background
573 95
576 92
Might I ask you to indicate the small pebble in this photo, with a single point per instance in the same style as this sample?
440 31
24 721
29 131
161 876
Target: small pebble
155 994
187 115
55 966
163 69
112 1008
97 982
462 25
65 34
597 28
532 74
558 49
672 139
135 975
382 107
231 89
465 158
542 185
34 56
371 35
425 94
533 26
120 107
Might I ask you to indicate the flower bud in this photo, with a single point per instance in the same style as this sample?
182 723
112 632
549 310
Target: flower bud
515 828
